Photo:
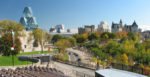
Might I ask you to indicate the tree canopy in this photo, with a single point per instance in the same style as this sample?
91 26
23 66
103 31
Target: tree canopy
8 26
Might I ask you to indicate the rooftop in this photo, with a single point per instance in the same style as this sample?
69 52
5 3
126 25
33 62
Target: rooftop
118 73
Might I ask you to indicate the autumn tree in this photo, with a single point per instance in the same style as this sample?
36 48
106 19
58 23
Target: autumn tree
62 45
124 58
85 35
39 36
6 42
8 26
122 34
72 41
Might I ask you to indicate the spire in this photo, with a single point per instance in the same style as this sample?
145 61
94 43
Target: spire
27 12
120 21
134 23
112 22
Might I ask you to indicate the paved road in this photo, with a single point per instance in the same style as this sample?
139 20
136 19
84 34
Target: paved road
73 56
85 58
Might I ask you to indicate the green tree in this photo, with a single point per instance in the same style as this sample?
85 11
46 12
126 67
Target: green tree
113 48
56 38
80 39
124 58
98 52
147 44
62 45
6 42
8 26
72 41
139 47
131 36
92 36
39 37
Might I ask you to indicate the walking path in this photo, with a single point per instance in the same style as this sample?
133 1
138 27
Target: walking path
85 58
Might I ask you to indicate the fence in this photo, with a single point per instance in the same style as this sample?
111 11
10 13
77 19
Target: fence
135 69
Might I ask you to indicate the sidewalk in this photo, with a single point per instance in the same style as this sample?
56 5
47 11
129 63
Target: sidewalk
84 56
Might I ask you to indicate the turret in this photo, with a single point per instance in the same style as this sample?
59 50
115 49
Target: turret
134 24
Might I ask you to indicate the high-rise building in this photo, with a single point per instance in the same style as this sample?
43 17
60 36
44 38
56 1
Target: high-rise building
28 20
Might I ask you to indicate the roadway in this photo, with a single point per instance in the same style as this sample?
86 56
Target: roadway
73 56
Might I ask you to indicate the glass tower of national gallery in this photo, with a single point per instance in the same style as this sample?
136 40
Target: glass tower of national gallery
28 20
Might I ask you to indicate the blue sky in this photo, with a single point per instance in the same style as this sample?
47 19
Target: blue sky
76 13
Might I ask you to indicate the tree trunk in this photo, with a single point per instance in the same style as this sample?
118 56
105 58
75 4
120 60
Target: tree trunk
41 46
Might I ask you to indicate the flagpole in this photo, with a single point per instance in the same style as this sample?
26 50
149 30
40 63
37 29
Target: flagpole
13 45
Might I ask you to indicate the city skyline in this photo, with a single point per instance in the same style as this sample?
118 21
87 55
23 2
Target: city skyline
74 14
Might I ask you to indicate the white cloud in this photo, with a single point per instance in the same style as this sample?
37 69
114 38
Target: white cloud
144 27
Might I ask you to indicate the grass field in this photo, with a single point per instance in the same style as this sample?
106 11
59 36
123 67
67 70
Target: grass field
7 60
34 52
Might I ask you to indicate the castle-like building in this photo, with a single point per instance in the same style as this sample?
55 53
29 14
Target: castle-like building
116 27
28 20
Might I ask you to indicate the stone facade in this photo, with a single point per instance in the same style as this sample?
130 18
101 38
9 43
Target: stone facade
103 26
116 27
28 46
86 29
128 28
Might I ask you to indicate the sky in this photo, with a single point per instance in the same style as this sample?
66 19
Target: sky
77 13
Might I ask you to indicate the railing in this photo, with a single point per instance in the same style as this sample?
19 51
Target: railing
135 69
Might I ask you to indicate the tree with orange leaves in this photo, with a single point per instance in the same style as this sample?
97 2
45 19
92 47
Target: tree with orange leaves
121 34
85 35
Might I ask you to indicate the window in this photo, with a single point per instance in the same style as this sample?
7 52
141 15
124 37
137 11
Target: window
25 46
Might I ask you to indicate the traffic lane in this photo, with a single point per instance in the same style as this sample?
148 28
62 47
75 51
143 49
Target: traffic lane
74 56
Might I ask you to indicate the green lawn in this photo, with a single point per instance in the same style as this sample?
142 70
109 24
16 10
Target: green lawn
7 60
34 52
